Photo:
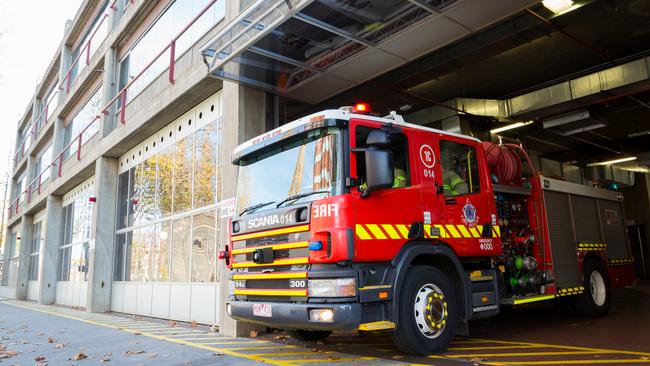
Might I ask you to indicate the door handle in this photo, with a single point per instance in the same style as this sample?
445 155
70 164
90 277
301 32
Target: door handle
451 201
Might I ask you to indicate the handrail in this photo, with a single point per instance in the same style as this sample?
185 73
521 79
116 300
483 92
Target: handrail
121 95
78 139
85 50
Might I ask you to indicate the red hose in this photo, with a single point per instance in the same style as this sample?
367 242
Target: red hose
503 162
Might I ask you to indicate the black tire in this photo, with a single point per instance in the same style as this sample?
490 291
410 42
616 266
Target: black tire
408 336
306 335
591 303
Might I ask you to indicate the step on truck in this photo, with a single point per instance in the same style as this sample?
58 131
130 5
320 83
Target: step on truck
346 221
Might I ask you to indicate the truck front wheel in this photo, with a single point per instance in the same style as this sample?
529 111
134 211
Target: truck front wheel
427 312
595 300
306 335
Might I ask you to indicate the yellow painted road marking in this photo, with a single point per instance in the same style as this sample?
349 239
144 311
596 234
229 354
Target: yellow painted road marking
256 348
527 354
230 352
376 231
334 360
292 353
570 347
362 233
391 231
495 347
593 361
228 343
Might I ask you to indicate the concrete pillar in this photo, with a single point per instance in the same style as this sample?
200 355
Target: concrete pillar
4 281
50 250
243 118
100 258
109 89
26 231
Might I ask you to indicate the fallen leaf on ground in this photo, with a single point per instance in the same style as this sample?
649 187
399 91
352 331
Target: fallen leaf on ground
39 358
172 323
79 356
50 340
254 333
129 353
137 333
59 345
398 357
280 337
194 324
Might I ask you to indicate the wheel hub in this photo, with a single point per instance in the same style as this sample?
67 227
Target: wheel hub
430 310
598 288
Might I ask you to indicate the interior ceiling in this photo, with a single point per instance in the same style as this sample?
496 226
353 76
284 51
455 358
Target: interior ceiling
528 51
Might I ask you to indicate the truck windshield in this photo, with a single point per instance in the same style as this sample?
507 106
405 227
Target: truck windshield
297 168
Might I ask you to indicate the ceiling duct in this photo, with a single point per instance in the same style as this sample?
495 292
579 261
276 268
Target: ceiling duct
622 79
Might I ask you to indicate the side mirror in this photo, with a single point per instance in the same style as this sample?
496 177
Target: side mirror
379 169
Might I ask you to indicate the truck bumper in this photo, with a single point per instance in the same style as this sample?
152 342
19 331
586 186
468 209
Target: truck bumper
296 316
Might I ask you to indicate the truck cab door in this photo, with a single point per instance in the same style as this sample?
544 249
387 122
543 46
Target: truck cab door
382 218
468 198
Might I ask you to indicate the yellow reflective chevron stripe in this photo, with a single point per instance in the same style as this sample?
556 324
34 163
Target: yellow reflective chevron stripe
452 231
390 230
443 233
401 231
474 232
362 233
376 231
463 231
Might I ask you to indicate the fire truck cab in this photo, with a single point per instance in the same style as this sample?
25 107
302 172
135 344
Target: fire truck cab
346 221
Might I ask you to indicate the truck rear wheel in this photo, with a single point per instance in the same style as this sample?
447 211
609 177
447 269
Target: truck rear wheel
427 312
306 335
596 299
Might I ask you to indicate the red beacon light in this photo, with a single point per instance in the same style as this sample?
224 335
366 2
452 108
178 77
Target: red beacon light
361 108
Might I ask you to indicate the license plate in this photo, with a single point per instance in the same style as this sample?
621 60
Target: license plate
262 310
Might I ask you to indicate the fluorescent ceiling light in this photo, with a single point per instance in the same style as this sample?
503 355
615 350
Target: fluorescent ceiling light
558 6
640 133
510 127
615 161
566 118
583 129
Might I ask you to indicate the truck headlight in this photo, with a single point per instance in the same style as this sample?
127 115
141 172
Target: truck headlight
335 287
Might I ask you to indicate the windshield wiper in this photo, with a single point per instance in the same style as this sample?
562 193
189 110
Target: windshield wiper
299 195
255 207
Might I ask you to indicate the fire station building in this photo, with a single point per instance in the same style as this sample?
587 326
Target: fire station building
122 182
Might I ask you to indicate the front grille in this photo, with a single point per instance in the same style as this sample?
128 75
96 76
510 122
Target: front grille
290 247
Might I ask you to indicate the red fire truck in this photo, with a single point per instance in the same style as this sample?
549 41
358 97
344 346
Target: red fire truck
346 221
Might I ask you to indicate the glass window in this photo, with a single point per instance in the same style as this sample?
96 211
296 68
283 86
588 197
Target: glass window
84 116
96 32
303 166
160 263
460 174
120 257
183 174
123 200
399 148
144 201
180 252
205 166
204 268
165 28
64 264
165 180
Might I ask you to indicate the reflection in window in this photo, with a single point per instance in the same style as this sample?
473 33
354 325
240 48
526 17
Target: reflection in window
165 28
73 251
181 242
460 173
80 121
205 166
203 247
165 180
183 174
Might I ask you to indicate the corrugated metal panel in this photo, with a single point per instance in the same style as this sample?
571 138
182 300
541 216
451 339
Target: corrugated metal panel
614 229
563 245
585 214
